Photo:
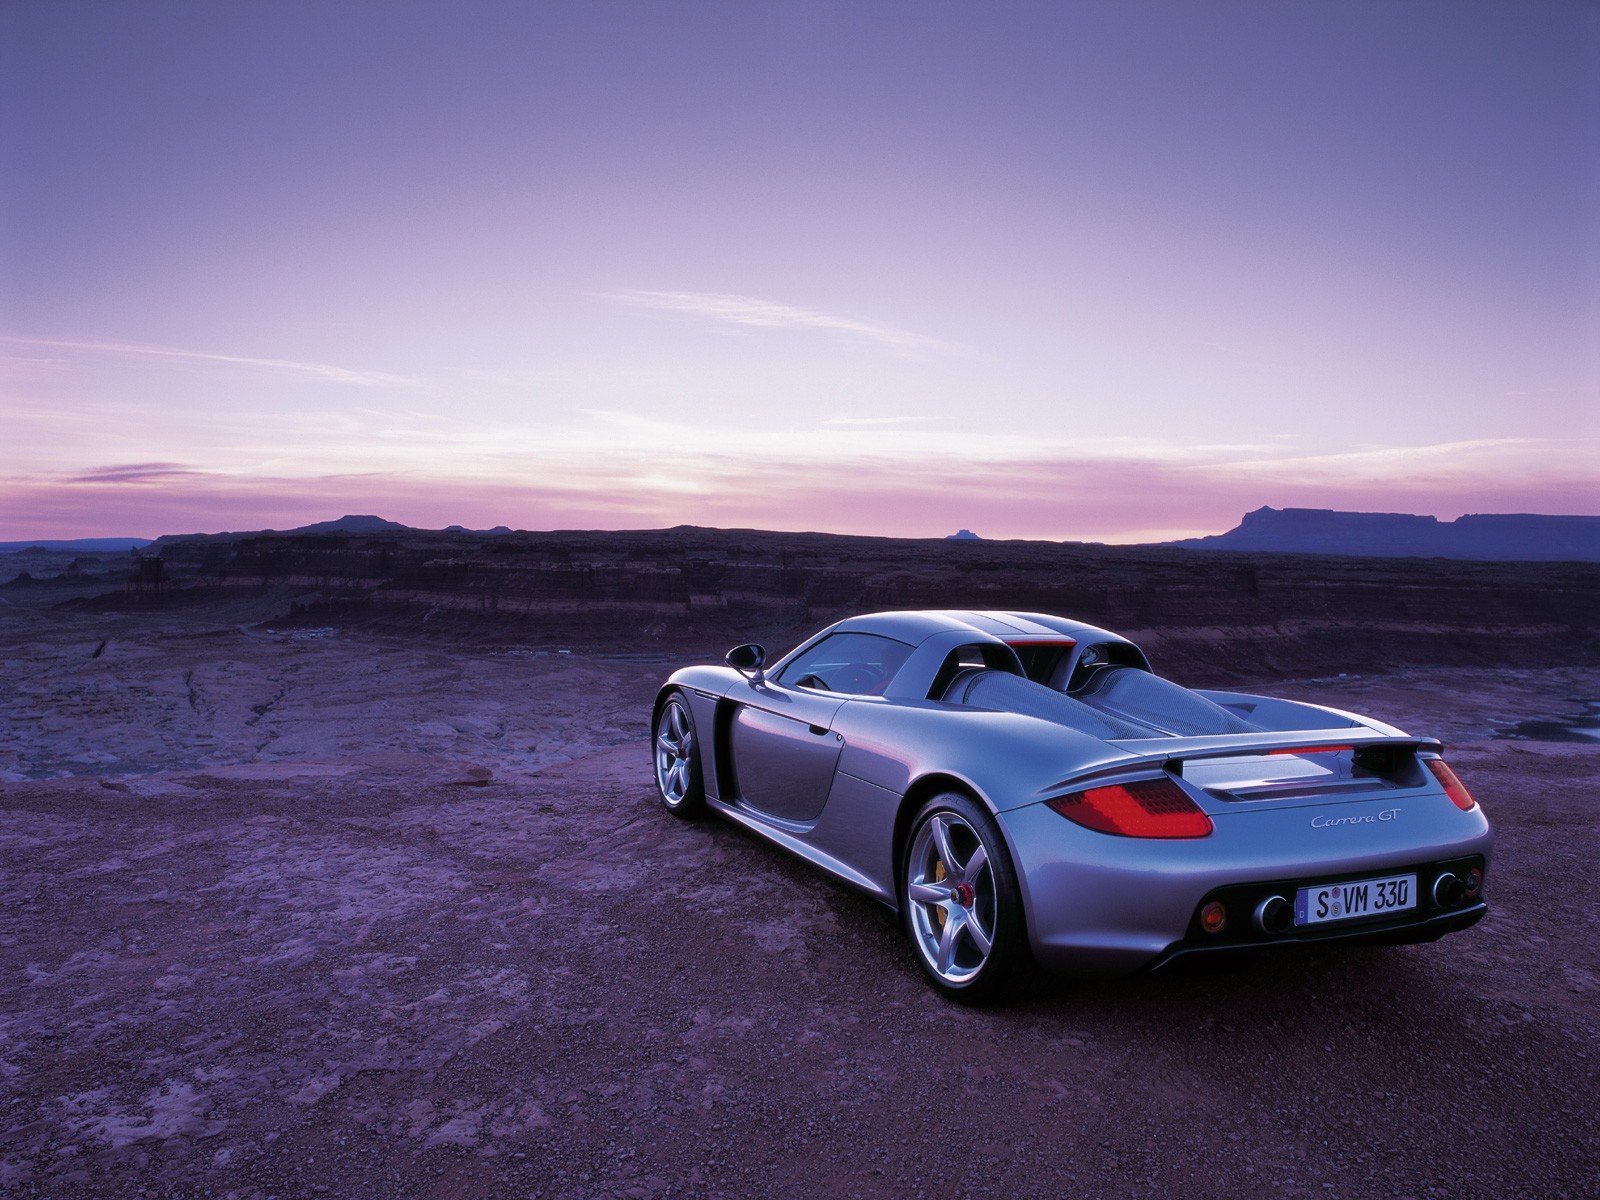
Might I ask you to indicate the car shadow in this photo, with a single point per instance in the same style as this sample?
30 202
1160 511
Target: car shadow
1284 982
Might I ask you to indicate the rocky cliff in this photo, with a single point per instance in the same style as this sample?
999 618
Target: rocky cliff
696 591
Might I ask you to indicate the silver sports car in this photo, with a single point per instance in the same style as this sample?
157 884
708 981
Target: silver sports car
1026 792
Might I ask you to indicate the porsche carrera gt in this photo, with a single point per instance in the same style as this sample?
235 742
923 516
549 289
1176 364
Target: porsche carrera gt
1027 792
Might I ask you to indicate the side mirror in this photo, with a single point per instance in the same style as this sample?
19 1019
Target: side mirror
748 660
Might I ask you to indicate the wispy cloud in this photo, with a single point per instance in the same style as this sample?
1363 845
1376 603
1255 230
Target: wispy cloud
764 314
1401 464
149 472
1543 391
858 422
325 371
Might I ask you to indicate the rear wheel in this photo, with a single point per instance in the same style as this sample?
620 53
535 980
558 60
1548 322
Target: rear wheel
961 906
676 751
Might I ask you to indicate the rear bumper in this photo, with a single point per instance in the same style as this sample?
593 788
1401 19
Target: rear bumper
1395 933
1100 905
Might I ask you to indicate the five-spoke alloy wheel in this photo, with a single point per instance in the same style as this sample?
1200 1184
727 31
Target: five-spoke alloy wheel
951 893
677 757
960 902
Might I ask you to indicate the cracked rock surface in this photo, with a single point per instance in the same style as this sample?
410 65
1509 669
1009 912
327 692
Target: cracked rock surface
303 915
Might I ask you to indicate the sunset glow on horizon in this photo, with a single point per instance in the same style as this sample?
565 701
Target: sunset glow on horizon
1104 272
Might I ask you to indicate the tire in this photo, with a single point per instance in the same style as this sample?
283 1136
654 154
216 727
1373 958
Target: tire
675 751
984 904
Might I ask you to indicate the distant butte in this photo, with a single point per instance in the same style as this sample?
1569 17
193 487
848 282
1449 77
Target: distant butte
352 524
963 535
1503 537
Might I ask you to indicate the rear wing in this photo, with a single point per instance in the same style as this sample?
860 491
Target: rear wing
1380 753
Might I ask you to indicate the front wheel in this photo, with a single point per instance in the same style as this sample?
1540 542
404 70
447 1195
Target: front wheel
961 906
676 751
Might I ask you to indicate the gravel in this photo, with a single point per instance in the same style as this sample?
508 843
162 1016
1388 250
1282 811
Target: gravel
354 974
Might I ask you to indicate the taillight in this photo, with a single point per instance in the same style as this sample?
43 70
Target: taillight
1150 808
1453 787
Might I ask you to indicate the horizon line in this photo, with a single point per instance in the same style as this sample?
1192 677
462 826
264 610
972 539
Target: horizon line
512 530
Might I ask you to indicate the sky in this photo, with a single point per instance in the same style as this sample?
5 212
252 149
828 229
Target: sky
1105 271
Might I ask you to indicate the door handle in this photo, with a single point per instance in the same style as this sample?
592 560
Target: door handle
819 730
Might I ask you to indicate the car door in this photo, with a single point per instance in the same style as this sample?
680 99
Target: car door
781 737
784 749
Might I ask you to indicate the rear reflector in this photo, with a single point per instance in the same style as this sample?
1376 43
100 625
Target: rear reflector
1453 787
1150 808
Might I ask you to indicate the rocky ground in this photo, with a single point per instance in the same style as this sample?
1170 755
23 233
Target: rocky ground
292 914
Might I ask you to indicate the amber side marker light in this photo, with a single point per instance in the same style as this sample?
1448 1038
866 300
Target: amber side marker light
1214 917
1453 787
1149 808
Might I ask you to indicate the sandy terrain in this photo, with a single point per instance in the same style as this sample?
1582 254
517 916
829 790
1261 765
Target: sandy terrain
301 914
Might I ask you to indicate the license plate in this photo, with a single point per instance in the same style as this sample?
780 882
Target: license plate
1359 898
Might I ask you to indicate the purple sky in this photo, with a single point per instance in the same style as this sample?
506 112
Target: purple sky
1112 271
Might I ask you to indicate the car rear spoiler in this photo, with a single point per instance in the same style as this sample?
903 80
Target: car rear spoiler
1378 752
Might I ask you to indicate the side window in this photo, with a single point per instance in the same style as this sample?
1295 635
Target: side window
856 664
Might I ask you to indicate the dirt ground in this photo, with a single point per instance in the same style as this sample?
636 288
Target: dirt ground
288 916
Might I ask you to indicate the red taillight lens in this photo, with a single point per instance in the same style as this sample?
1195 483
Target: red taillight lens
1151 808
1453 787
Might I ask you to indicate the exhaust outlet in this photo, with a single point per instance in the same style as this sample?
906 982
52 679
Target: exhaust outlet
1449 890
1274 916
